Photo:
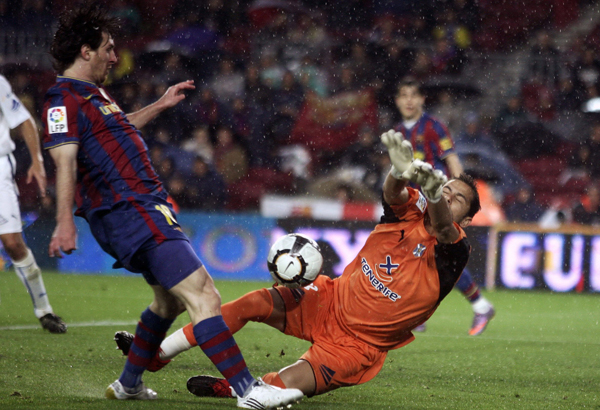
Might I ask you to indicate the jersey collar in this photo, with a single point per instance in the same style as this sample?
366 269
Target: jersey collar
62 78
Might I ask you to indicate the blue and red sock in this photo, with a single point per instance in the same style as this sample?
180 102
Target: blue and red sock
149 334
468 286
216 341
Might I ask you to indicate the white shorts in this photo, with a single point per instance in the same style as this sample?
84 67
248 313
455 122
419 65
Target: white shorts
10 214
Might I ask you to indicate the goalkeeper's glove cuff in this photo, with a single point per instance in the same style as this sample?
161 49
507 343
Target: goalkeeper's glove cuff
396 174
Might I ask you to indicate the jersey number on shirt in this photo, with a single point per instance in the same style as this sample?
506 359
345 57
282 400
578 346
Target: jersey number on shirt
163 209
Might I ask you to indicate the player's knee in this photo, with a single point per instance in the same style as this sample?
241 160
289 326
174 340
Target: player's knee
14 246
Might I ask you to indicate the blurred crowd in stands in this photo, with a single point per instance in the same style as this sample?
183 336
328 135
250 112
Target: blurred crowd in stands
291 96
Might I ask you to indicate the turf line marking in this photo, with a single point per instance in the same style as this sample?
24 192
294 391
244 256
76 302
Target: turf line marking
80 324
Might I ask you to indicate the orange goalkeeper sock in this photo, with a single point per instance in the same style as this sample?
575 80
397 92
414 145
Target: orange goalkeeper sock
274 380
255 306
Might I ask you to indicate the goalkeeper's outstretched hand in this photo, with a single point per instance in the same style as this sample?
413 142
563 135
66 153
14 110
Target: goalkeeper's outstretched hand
431 181
399 150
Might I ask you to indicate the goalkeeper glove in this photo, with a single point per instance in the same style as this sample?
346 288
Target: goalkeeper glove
431 181
399 150
434 185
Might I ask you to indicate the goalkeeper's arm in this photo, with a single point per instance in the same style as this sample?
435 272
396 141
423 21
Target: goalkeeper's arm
394 190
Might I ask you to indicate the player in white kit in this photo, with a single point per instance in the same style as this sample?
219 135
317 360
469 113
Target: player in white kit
14 115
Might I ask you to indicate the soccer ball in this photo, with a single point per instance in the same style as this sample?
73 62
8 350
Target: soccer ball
295 260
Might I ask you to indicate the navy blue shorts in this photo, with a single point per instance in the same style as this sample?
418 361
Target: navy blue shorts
132 230
167 264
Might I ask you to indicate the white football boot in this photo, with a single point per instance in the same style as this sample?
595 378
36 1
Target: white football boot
117 391
264 396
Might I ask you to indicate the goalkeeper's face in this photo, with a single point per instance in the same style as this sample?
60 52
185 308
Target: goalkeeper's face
459 197
410 103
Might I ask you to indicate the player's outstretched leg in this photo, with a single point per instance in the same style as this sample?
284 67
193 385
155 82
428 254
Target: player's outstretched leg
149 333
255 306
482 308
261 392
124 340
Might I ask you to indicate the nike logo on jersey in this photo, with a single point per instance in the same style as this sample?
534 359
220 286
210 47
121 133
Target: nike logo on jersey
88 97
376 283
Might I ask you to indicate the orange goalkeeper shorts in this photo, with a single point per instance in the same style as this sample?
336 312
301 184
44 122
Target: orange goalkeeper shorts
337 358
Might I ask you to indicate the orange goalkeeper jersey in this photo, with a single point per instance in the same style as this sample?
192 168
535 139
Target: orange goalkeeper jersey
398 278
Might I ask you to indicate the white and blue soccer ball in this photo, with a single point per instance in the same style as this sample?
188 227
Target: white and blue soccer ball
295 260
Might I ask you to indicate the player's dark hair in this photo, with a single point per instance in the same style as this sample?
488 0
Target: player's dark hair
409 81
77 27
475 203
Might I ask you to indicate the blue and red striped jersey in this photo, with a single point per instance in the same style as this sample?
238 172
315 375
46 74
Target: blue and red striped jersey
113 161
430 139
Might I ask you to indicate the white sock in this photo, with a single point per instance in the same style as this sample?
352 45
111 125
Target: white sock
30 274
481 305
173 345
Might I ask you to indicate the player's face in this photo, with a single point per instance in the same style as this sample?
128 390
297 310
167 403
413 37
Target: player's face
459 197
410 103
103 58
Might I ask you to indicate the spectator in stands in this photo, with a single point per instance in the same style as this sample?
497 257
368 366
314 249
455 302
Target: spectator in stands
361 64
166 168
422 67
392 63
568 97
586 73
524 208
227 83
467 14
173 70
231 160
590 152
36 15
209 111
449 110
481 156
286 103
205 187
448 27
345 80
544 60
511 114
256 93
588 211
177 187
271 72
312 77
384 33
446 58
200 144
129 16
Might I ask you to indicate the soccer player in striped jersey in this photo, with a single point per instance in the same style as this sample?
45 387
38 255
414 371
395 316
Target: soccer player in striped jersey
433 144
102 164
408 265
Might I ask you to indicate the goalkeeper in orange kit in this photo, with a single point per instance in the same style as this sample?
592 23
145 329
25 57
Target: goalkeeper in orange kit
409 263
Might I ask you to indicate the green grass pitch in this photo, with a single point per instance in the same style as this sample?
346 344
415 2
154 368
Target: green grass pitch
542 351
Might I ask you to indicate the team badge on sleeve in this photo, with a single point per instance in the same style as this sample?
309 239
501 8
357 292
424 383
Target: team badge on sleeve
57 120
421 202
